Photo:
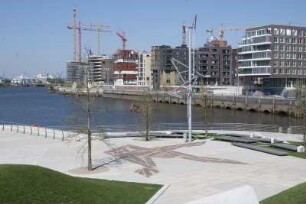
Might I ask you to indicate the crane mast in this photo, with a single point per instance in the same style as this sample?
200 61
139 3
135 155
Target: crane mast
74 34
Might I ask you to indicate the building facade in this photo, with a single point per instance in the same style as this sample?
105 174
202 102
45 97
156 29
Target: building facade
125 67
272 57
101 68
164 73
75 71
144 77
215 61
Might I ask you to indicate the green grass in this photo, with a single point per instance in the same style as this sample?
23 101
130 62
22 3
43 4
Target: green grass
34 184
294 195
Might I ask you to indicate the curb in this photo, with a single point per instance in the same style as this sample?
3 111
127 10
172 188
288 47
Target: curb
158 194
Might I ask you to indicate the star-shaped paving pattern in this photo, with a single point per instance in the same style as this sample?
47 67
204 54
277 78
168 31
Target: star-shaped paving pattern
144 156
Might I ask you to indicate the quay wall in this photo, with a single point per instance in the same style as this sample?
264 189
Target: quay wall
273 105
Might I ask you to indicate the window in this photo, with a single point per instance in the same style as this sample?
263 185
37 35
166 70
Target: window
294 32
293 40
275 39
282 31
275 47
281 48
282 55
300 49
293 55
282 63
287 64
275 55
288 32
293 63
281 40
275 31
294 48
287 40
288 56
300 33
299 41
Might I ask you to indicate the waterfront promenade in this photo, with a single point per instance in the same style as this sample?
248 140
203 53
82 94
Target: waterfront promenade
191 172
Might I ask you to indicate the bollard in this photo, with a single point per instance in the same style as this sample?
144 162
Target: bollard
11 127
31 130
3 127
53 134
185 136
37 131
63 135
289 130
17 128
23 129
280 129
45 132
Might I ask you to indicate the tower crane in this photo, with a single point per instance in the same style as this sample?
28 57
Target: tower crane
75 45
222 29
74 27
123 39
99 29
78 46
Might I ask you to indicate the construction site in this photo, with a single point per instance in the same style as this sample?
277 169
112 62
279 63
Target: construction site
256 65
216 60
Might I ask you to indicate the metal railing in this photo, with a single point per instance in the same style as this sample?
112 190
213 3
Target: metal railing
66 132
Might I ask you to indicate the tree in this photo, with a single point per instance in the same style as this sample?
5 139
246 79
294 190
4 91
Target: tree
204 98
144 108
300 105
85 111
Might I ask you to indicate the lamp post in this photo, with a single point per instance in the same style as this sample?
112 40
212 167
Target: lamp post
191 70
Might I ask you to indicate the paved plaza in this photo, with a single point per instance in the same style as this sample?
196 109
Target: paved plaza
192 170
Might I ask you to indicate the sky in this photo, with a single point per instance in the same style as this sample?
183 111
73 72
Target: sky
34 37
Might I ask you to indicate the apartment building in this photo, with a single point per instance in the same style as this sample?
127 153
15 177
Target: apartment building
272 57
125 67
144 77
216 62
164 73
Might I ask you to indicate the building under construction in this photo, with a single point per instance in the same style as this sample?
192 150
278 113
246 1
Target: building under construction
101 69
75 71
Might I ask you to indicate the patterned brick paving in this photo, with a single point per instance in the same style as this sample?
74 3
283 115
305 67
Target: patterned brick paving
144 156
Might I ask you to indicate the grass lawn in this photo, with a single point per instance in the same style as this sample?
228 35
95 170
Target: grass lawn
34 184
294 195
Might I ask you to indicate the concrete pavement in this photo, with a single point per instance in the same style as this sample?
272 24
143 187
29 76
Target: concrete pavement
188 179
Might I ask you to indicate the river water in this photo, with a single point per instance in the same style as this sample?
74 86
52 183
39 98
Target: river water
33 105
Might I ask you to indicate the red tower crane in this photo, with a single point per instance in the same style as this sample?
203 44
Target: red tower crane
123 39
75 52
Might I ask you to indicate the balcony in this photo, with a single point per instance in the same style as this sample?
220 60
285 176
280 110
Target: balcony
255 71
